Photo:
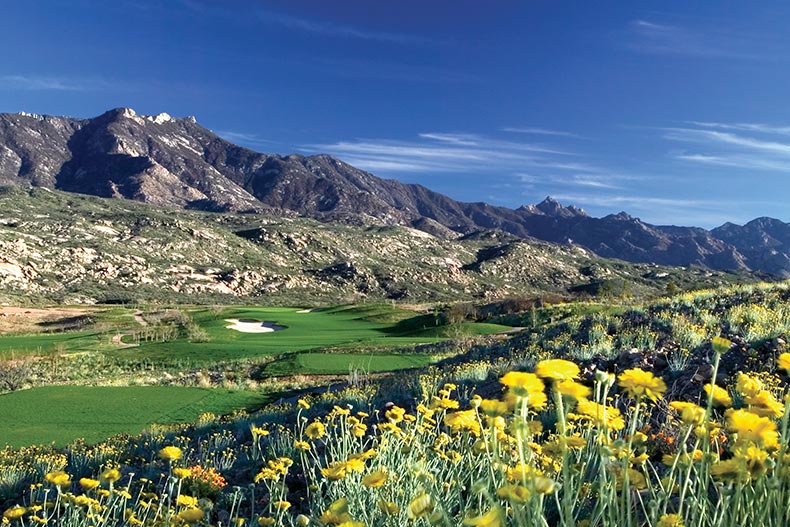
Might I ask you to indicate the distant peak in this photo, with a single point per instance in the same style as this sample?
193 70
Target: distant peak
577 210
621 216
129 113
32 115
159 119
550 206
118 113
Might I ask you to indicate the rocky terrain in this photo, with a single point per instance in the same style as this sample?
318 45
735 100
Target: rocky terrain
175 162
63 247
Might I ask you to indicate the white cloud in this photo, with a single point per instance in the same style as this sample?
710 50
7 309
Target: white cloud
340 30
243 138
754 146
35 83
452 152
539 131
665 39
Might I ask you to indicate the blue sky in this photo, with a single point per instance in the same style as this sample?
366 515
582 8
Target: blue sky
673 111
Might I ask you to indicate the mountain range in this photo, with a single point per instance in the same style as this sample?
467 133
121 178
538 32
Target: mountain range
176 162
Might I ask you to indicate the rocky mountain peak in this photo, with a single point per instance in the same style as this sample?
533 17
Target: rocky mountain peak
552 207
175 162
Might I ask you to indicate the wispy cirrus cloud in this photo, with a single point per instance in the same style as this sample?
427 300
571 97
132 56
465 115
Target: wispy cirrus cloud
38 82
332 29
745 127
666 210
243 138
539 131
307 25
511 171
755 146
669 39
451 152
583 180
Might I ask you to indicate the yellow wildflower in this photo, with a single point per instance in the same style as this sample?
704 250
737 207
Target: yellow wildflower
191 515
182 473
258 432
522 383
265 521
752 428
58 478
543 485
355 464
375 479
637 383
465 420
720 395
493 407
690 413
731 470
443 403
421 505
783 362
557 370
186 501
281 505
635 478
513 493
337 513
721 345
601 415
88 484
301 445
359 429
492 518
315 430
303 404
748 386
171 453
15 512
670 520
754 459
765 404
388 508
573 389
335 471
395 414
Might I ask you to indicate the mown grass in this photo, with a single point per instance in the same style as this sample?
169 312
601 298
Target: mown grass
61 414
340 327
342 363
352 326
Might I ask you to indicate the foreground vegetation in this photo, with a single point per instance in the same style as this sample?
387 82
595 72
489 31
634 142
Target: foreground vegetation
532 431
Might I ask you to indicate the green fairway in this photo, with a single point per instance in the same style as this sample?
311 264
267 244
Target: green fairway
13 346
341 327
342 363
61 414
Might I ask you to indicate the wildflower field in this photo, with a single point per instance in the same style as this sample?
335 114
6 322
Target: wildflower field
671 414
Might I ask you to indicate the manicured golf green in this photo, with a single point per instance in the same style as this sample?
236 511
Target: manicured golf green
341 327
343 363
61 414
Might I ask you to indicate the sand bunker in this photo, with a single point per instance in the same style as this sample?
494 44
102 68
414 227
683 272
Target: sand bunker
305 311
251 326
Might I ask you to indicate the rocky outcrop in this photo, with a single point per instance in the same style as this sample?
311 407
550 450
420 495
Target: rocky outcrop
175 162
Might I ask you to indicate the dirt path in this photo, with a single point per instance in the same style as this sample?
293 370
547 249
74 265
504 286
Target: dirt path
138 317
